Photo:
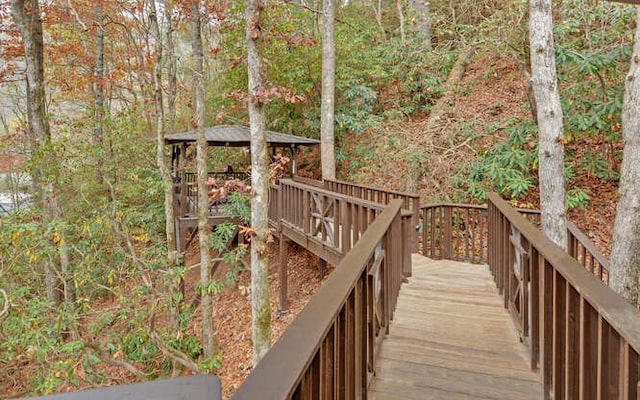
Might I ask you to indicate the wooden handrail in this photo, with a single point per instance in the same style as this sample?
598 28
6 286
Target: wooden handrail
329 347
584 338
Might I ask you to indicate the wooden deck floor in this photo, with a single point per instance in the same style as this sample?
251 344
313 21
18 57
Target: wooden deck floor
452 339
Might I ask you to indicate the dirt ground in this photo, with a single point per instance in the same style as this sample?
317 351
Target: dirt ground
233 312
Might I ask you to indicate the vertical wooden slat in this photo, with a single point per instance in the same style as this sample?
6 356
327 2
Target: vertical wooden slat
341 364
283 276
447 233
572 340
546 327
613 372
534 262
631 374
588 351
351 347
316 374
362 334
559 335
603 339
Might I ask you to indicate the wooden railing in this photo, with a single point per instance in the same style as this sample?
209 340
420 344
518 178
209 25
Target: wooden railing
410 201
329 351
584 338
274 211
454 232
329 224
582 249
325 220
459 232
186 192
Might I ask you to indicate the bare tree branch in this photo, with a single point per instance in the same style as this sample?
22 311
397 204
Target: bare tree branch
7 304
106 358
75 14
174 355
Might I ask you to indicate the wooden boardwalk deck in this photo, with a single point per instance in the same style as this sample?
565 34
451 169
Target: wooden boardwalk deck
452 339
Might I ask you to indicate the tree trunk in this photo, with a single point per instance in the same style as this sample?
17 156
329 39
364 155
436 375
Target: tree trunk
421 22
328 91
260 304
403 37
99 80
172 68
209 342
377 10
625 253
161 162
551 144
172 94
26 14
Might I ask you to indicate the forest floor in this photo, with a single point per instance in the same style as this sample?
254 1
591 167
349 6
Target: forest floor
491 93
232 311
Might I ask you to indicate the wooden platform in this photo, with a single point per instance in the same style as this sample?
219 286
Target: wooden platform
452 339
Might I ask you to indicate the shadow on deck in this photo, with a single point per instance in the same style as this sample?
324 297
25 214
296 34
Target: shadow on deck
451 338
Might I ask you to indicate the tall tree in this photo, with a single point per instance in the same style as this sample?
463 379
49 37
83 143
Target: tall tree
328 91
260 304
209 341
172 76
625 252
550 137
99 84
26 14
161 162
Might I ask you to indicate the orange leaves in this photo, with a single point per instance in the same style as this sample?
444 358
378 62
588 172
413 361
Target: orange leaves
278 167
266 96
221 189
247 231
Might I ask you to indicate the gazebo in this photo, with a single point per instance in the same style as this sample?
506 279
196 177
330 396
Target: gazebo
185 192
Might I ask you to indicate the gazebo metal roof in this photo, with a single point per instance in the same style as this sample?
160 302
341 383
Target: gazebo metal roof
239 136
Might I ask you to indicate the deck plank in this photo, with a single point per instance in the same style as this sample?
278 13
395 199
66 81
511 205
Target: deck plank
452 339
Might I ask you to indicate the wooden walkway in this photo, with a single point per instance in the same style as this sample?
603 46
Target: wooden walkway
452 339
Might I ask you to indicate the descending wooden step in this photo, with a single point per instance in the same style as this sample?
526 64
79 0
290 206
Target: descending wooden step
452 339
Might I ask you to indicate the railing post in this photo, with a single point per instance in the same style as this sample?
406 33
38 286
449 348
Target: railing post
448 229
414 222
283 273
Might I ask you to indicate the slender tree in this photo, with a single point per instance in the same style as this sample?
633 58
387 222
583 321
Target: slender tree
161 162
260 304
26 14
172 67
209 341
625 252
551 145
99 81
399 8
328 91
